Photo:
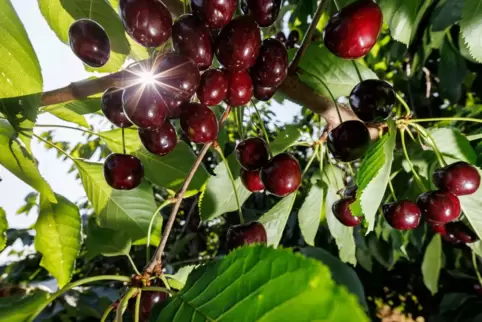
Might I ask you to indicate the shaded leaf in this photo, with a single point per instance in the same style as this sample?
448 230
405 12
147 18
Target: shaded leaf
401 17
451 142
180 278
105 241
452 71
82 107
471 27
15 308
285 139
432 264
447 13
274 221
312 212
3 229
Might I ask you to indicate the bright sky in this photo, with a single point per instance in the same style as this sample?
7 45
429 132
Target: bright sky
59 68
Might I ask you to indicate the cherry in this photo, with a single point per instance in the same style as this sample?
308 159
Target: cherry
148 22
372 100
213 87
402 214
443 231
240 88
148 300
459 178
271 67
265 12
461 232
238 44
123 171
159 141
294 36
281 37
177 76
352 32
245 234
438 228
198 122
144 106
89 42
349 140
173 107
264 93
252 180
478 289
111 105
342 212
215 13
193 39
252 153
281 175
439 206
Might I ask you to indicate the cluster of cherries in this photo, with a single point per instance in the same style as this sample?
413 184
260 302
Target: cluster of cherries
290 41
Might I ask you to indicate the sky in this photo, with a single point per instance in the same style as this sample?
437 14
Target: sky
59 68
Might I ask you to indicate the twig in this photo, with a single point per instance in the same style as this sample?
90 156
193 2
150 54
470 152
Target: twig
428 82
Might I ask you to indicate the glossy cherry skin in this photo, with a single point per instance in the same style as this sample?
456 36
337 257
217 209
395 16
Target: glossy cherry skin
252 180
294 36
252 153
402 214
265 12
148 22
352 32
245 234
349 141
342 212
459 178
198 122
123 171
439 206
280 36
240 88
372 100
177 76
215 13
190 37
461 232
173 107
213 87
263 93
111 105
238 44
281 175
272 65
144 106
159 141
89 42
148 300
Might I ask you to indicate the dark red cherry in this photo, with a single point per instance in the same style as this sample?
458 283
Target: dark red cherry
272 65
190 37
148 22
439 206
281 37
159 141
438 228
111 105
281 175
252 180
342 212
352 32
265 12
89 41
144 106
215 13
148 300
213 87
122 171
294 36
459 178
252 153
478 289
238 44
402 214
349 141
240 88
245 234
372 100
461 232
263 93
173 107
176 75
198 122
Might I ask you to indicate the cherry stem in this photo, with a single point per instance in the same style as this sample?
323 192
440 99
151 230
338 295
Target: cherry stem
131 261
138 306
166 283
476 268
404 104
67 127
106 313
421 131
54 146
410 164
392 191
441 119
315 153
356 68
123 141
239 123
157 289
149 231
307 38
121 308
261 123
336 5
156 260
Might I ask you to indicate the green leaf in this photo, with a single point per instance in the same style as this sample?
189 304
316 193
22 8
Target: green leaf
451 142
168 171
274 221
285 139
105 241
372 177
58 237
82 107
401 17
447 13
471 205
180 278
338 74
16 158
247 284
3 229
312 212
471 27
126 210
60 14
156 234
452 71
16 308
67 115
20 75
432 264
